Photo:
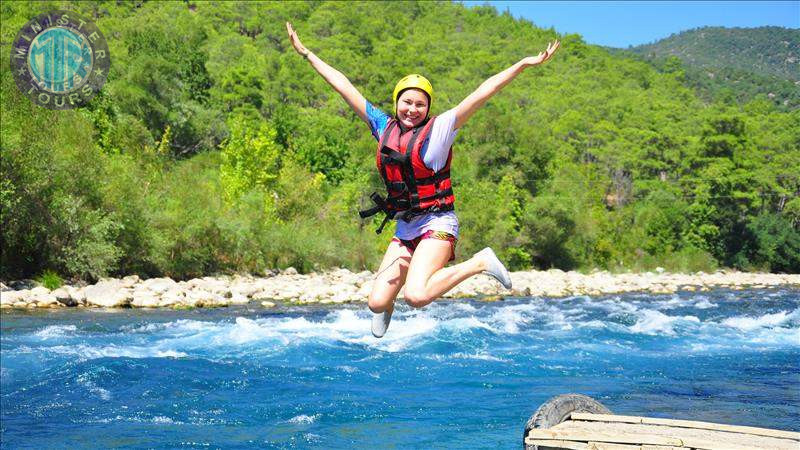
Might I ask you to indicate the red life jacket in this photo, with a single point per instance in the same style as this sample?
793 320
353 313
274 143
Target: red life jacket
412 188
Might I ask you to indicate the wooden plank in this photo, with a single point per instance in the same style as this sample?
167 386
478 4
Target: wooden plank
608 446
704 444
782 434
608 443
555 443
690 437
573 445
605 418
688 424
601 436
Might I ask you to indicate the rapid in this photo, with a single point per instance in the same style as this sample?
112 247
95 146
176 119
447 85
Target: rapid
456 374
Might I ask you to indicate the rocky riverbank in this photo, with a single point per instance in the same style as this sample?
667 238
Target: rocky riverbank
342 286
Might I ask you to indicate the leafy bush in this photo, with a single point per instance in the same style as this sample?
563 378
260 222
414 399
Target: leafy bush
50 279
775 245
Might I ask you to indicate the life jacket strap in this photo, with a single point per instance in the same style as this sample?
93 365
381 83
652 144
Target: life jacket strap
392 156
383 224
399 186
380 205
443 175
441 194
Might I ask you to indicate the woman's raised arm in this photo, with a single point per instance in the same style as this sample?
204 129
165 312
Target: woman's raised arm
494 84
335 78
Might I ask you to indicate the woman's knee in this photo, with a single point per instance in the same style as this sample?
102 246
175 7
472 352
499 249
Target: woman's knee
378 303
416 297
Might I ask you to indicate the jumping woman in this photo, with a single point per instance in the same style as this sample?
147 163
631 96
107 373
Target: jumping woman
414 155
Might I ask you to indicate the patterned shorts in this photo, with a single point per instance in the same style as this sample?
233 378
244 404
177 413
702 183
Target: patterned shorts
430 234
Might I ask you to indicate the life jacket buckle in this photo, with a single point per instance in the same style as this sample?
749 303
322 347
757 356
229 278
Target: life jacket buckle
380 206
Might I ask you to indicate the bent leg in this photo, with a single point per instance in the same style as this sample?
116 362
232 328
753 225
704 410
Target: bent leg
391 277
428 278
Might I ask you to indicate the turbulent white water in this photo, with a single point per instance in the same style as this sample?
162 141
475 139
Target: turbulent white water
317 376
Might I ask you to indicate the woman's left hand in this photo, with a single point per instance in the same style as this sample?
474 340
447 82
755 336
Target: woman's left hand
543 56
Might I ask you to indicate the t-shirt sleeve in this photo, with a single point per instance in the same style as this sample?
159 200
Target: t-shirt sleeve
377 120
440 141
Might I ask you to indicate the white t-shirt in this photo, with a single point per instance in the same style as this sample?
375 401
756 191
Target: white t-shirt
434 154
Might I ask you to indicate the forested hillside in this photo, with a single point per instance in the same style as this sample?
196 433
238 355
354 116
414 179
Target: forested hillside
735 64
214 147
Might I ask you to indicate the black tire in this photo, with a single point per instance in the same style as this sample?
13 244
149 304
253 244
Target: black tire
558 409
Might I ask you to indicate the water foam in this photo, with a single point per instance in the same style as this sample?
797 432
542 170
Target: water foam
159 420
86 381
413 328
653 322
512 319
704 304
55 331
765 321
86 352
303 419
478 356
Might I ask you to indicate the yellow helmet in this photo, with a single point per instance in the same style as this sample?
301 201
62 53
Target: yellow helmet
412 81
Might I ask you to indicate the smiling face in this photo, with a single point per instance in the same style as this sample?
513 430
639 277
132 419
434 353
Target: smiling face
412 107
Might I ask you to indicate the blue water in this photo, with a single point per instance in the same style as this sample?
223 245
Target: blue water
456 374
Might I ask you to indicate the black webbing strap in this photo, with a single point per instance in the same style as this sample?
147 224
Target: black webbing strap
386 133
408 169
390 156
439 194
380 205
386 218
397 186
437 177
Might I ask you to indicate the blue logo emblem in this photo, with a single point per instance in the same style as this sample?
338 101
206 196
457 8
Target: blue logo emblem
60 60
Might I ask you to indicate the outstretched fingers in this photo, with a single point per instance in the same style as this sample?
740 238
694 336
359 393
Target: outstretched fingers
543 56
551 48
298 46
290 30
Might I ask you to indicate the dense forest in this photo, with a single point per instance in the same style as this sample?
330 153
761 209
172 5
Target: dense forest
213 147
734 64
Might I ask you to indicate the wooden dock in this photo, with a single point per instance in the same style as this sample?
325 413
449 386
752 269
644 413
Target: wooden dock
612 432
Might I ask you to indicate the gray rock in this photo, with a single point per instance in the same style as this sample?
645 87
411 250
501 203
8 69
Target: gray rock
159 285
77 294
244 288
64 297
239 299
208 284
22 284
200 298
130 281
172 297
40 290
108 294
144 298
45 300
12 297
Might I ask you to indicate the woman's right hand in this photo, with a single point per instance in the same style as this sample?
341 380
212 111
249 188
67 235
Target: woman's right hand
335 78
298 46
